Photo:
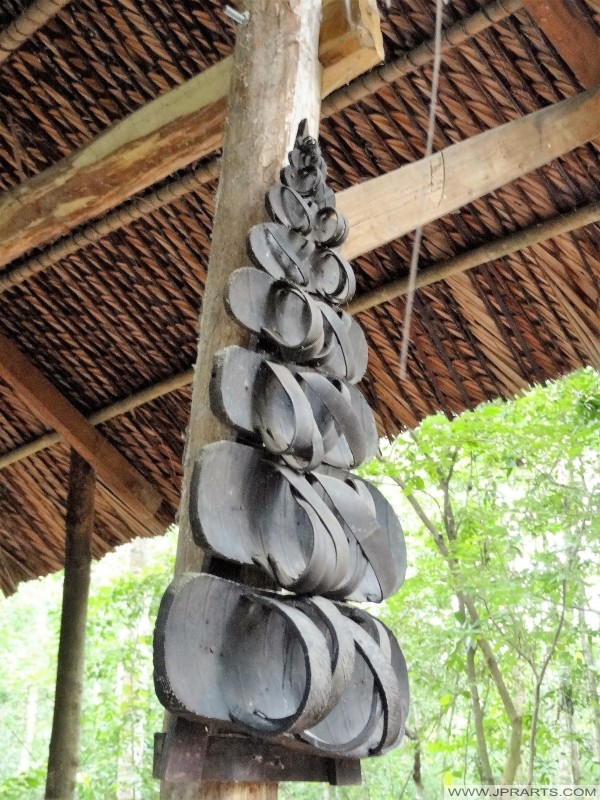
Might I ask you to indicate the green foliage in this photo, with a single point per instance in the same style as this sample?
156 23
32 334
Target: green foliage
120 712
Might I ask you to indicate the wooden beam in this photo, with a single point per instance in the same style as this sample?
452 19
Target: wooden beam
498 248
181 126
574 39
52 408
350 41
110 412
169 133
491 251
421 55
26 24
385 208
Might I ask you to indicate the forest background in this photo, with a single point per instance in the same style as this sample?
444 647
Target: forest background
499 618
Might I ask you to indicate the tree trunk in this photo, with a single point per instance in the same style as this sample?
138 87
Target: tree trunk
32 700
569 712
592 683
275 84
487 776
63 757
513 757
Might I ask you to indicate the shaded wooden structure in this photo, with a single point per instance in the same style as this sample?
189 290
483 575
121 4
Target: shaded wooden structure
104 242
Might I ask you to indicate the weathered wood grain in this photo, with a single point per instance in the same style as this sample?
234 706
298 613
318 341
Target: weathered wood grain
385 208
272 89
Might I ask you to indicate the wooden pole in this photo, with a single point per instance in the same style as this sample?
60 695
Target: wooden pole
275 83
64 743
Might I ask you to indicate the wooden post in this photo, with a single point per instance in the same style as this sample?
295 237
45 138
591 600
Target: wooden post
275 83
64 743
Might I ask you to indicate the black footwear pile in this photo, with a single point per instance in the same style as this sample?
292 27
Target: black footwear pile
303 666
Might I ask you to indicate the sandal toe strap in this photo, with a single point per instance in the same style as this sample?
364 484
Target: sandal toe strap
317 675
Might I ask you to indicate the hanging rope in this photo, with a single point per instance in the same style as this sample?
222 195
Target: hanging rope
414 260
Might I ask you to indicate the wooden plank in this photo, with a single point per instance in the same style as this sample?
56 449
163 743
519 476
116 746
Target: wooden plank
272 88
50 406
188 753
179 127
159 138
350 42
572 36
123 406
385 208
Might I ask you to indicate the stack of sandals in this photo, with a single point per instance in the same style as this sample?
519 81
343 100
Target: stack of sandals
302 666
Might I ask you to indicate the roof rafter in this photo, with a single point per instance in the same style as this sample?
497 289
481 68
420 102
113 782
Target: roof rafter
383 209
52 408
498 248
182 126
389 206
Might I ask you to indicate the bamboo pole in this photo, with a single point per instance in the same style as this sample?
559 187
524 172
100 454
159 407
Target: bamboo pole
498 248
66 725
123 406
463 30
28 23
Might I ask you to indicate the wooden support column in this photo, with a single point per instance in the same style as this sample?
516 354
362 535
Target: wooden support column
275 83
64 743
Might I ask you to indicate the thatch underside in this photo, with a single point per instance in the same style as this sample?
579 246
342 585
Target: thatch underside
121 314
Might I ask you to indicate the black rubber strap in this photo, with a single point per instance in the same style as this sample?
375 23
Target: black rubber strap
304 441
303 489
337 330
317 686
339 406
316 572
364 526
275 320
341 645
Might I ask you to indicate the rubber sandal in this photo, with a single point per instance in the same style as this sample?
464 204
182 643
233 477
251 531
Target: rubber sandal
281 252
267 515
331 276
225 652
345 353
287 207
370 715
340 642
304 330
285 405
330 227
284 314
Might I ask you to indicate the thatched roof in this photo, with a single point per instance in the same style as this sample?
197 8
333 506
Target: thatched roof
106 319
